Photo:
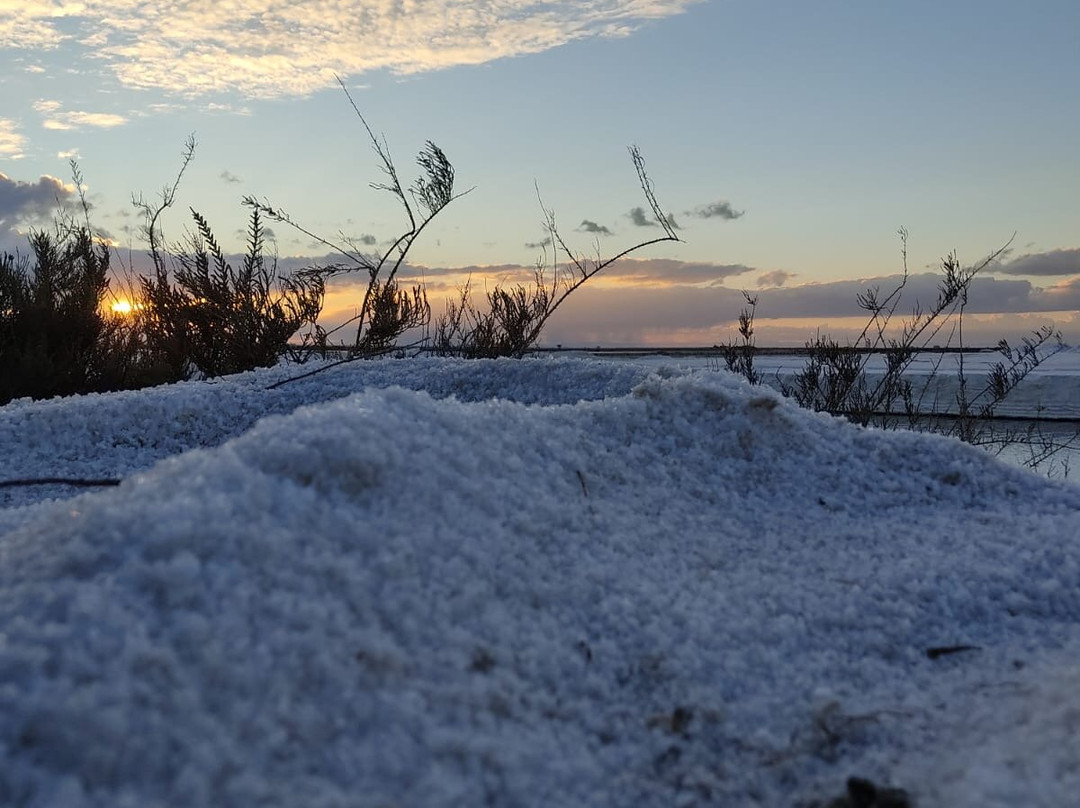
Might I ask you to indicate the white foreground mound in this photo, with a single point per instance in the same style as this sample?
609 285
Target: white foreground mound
695 594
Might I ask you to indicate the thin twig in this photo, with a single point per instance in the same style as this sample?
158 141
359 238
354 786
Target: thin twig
72 481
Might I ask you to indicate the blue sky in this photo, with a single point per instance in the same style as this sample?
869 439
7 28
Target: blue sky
827 125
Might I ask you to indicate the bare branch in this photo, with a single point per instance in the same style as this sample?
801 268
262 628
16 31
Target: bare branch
77 482
516 317
152 214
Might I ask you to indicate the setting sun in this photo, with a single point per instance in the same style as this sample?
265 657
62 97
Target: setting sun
124 307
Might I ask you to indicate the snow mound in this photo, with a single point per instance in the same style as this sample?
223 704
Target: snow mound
689 593
108 436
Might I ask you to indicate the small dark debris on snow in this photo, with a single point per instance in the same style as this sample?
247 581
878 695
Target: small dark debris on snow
674 723
862 793
944 650
482 661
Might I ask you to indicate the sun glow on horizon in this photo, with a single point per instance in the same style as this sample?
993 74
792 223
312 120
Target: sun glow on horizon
124 307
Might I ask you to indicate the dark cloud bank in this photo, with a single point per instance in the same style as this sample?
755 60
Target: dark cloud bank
23 203
1051 263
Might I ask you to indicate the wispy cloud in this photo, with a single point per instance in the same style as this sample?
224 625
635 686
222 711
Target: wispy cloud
774 279
357 243
77 120
589 226
229 177
231 109
272 48
54 117
11 142
1052 262
716 210
69 154
640 218
29 25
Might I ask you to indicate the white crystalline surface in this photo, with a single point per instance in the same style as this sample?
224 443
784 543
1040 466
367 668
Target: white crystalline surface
538 583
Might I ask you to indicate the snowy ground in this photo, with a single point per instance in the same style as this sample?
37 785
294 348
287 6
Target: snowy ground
540 583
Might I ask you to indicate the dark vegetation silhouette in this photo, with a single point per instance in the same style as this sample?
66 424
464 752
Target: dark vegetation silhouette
53 338
513 319
387 311
200 314
56 339
196 314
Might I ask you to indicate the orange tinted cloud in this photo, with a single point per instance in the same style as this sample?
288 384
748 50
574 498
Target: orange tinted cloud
54 117
11 142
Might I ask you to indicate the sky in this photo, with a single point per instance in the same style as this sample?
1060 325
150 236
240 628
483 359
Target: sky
789 141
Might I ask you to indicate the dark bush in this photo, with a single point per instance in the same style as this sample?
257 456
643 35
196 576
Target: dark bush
55 337
218 319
